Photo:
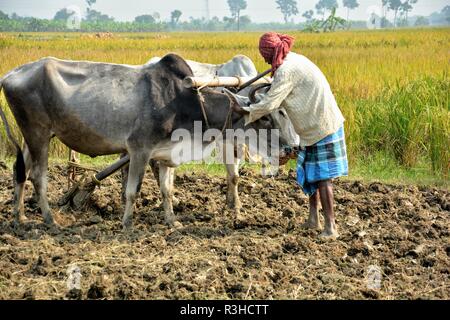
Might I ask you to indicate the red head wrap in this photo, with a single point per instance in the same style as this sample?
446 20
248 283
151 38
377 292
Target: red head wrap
274 47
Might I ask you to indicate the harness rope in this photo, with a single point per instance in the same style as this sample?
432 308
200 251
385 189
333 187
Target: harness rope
227 124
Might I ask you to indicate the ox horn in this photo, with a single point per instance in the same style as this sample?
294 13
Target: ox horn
234 103
252 93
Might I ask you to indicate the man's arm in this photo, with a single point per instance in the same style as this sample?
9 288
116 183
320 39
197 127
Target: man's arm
282 86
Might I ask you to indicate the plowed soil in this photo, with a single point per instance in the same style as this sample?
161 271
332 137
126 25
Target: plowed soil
401 232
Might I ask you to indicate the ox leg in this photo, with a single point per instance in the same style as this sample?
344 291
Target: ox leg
233 201
175 200
124 173
154 165
19 190
39 156
166 186
136 173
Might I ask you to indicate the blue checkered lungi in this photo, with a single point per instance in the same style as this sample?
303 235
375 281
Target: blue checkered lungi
325 160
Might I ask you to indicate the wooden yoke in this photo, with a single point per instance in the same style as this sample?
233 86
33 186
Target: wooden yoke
237 82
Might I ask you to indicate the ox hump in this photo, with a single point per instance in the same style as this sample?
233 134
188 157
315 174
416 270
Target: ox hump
176 65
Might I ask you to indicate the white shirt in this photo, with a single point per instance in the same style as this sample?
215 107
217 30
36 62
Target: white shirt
302 89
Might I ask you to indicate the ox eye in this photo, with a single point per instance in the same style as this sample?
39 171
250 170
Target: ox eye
283 114
265 118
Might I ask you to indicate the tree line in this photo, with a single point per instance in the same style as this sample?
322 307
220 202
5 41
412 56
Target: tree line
323 18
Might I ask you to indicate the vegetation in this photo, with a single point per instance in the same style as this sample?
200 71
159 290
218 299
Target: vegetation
288 8
393 87
330 24
95 21
236 6
350 5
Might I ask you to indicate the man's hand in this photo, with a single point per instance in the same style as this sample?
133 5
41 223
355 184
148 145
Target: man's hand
287 154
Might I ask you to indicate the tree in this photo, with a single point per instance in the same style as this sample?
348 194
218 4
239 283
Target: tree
145 18
3 16
288 8
384 9
175 16
156 16
405 8
327 25
332 22
236 6
245 21
326 5
350 5
90 3
385 23
308 15
97 16
15 16
62 14
422 21
446 13
395 5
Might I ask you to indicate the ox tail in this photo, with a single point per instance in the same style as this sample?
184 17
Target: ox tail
19 165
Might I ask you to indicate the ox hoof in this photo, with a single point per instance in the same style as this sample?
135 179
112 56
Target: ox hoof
175 201
49 221
234 204
20 219
171 221
308 225
177 225
17 223
329 235
127 224
241 221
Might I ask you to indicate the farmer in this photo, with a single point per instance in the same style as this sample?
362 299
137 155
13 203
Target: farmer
302 89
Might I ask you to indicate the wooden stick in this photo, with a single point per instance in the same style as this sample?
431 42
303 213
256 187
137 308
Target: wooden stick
102 175
254 81
197 82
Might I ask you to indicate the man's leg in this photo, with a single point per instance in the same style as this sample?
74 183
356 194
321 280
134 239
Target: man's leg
327 201
313 219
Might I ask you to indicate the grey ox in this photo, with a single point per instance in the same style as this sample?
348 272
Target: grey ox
102 109
239 66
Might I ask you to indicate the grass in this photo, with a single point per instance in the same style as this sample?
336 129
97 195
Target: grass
392 86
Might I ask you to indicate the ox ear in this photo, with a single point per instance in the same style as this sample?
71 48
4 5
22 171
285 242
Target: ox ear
230 96
235 105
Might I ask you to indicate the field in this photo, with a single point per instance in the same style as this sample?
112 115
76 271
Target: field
401 231
393 211
392 86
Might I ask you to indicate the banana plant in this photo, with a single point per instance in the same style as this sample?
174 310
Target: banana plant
330 24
